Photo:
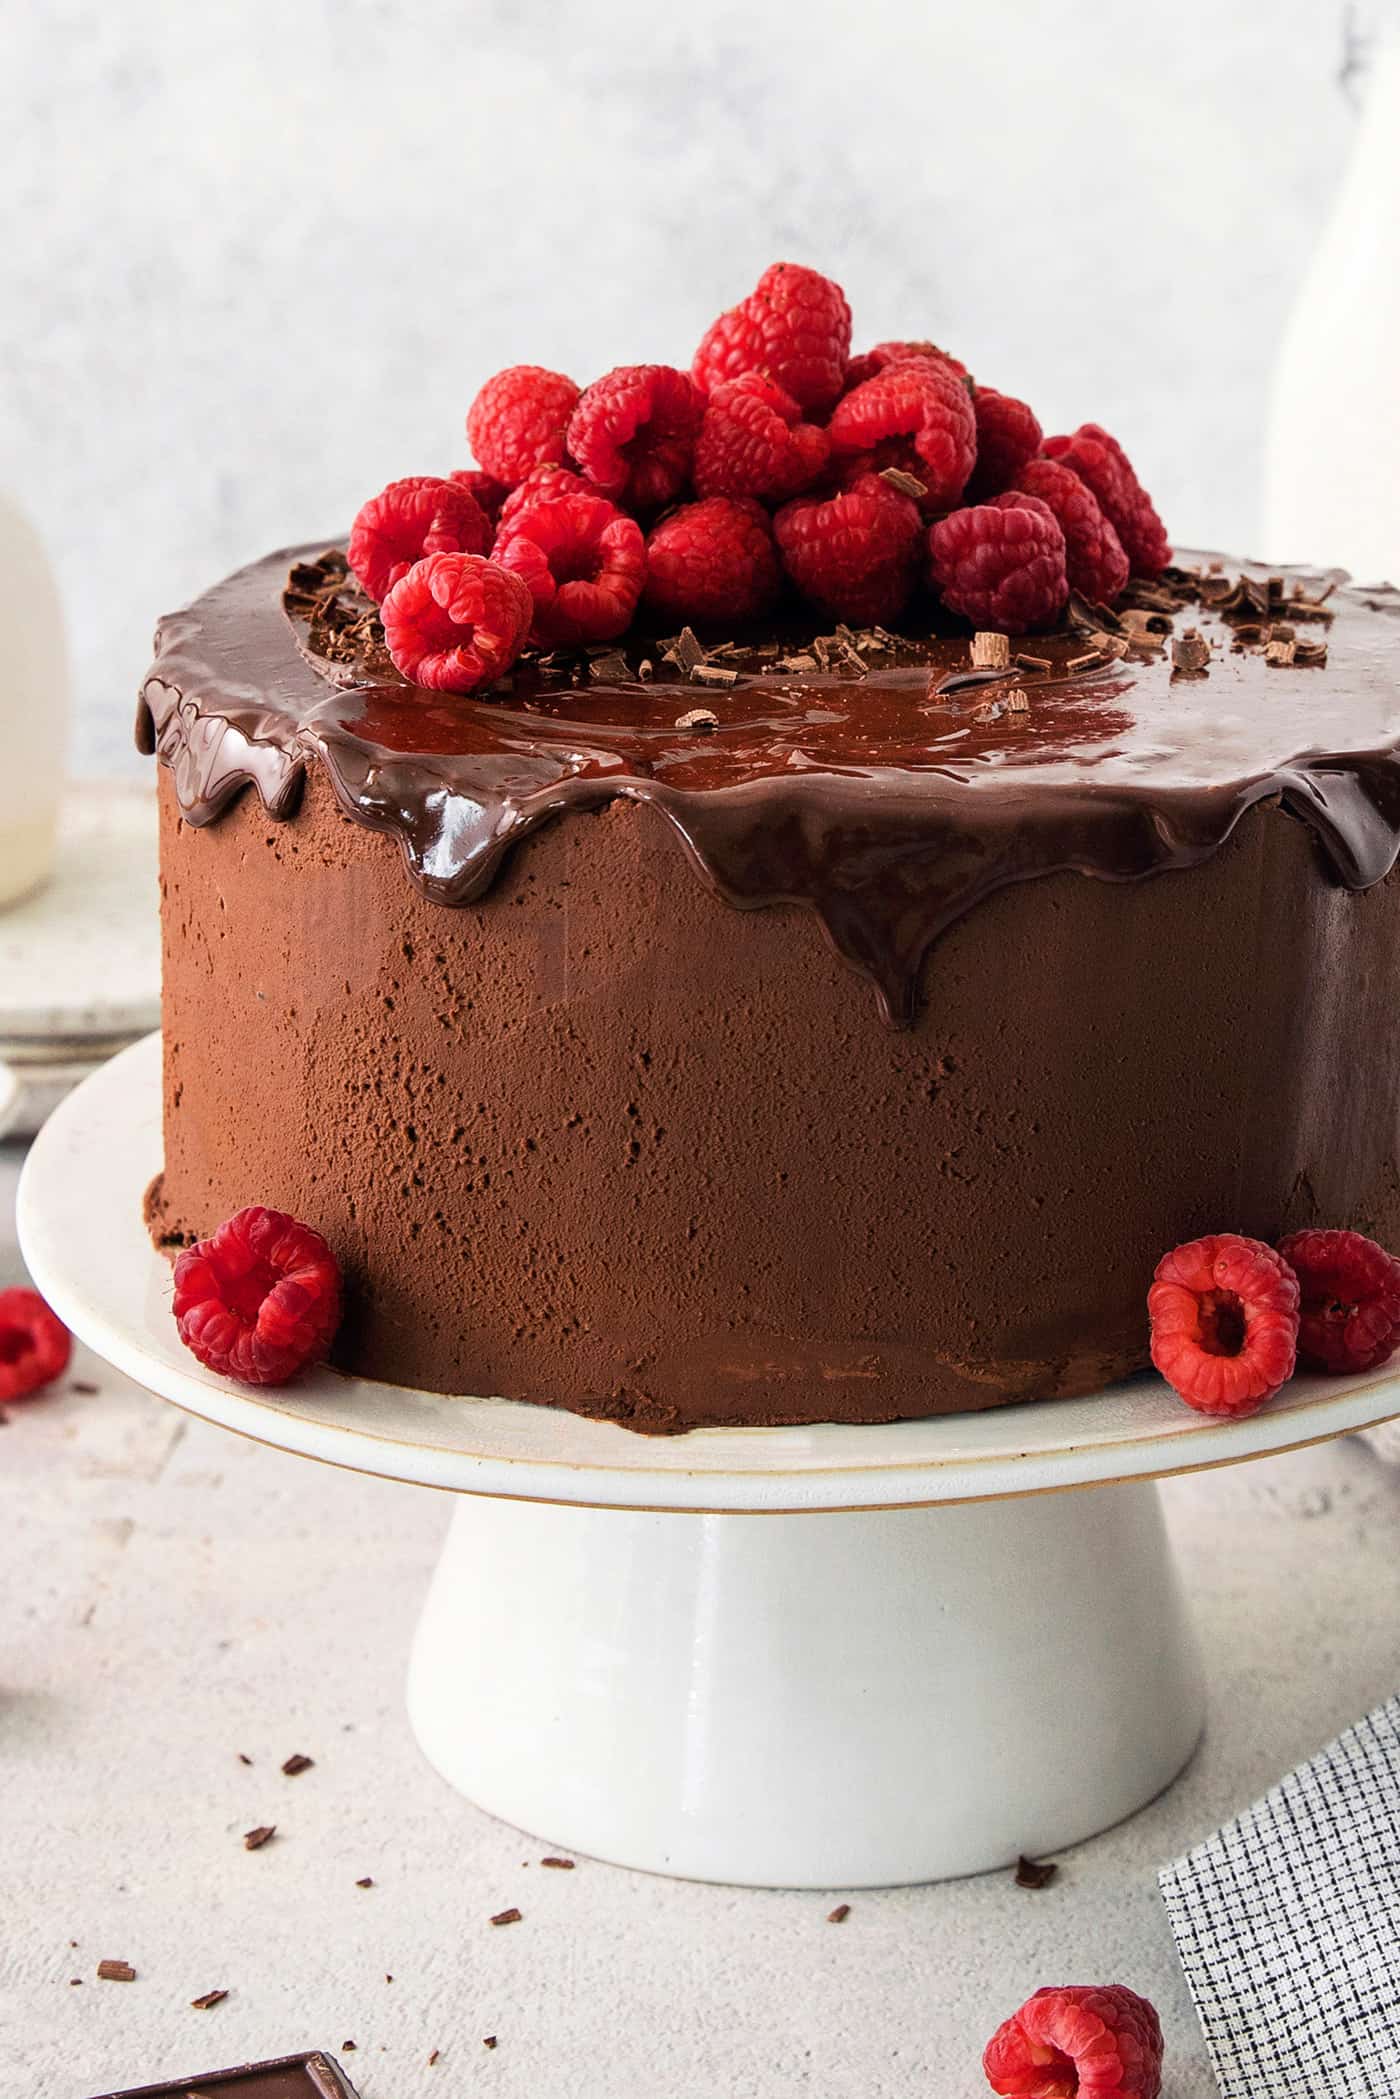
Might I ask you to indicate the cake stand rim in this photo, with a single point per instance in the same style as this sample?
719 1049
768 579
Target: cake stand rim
592 1463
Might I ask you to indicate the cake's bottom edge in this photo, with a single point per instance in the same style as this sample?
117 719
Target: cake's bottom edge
880 1383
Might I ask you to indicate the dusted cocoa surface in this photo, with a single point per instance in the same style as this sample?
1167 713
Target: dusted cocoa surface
599 1140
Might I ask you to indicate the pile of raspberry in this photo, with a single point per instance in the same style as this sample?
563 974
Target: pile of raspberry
779 467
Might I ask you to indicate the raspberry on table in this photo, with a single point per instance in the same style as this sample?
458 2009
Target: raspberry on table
1095 562
1074 2042
712 561
541 481
753 442
1224 1318
855 554
870 362
1001 564
1349 1300
922 404
582 562
456 621
35 1345
1008 435
633 433
1100 460
795 326
262 1298
424 514
518 421
488 491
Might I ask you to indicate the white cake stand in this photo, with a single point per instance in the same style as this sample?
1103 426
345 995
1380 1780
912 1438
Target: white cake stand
944 1663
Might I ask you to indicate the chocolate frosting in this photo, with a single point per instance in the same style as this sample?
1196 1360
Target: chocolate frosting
884 805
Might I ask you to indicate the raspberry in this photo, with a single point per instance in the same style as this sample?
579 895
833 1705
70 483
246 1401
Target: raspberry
753 443
1100 460
1095 562
855 553
542 481
1008 434
1097 2043
795 326
34 1344
583 562
1349 1314
634 430
1001 564
489 492
872 361
261 1299
422 515
920 402
1224 1313
456 621
518 420
712 561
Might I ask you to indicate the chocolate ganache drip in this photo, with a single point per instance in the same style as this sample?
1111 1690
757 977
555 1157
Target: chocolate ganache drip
875 783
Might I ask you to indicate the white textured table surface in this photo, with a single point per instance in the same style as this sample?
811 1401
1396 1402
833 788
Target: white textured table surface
170 1596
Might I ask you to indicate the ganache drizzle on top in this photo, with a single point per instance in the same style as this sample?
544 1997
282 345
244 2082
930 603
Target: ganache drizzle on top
885 807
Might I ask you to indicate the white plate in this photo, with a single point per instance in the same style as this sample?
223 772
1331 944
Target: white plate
79 1216
81 957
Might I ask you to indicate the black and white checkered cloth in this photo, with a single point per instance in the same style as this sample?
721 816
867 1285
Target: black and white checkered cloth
1287 1922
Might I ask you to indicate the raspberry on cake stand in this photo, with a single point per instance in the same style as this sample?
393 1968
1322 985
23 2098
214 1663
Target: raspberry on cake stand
803 1657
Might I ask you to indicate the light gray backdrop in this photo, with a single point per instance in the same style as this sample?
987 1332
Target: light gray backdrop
258 256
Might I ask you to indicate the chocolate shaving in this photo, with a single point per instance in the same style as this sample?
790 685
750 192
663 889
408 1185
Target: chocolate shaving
296 1764
1191 655
839 1914
1035 664
990 652
907 484
646 670
560 1865
699 719
208 2000
115 1971
713 674
1279 654
1139 620
1017 701
511 1916
950 682
1282 630
1035 1873
254 1839
1309 655
612 669
685 652
1082 614
1091 660
801 662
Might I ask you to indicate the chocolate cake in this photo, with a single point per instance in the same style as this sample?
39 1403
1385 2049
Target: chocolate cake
822 1026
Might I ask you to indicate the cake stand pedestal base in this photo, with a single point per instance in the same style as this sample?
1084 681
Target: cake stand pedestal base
841 1700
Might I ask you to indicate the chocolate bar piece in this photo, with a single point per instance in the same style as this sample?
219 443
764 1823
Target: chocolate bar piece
313 2076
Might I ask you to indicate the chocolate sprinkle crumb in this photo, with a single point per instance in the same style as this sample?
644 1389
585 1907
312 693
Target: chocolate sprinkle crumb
254 1839
511 1916
1035 1873
561 1865
906 484
208 2000
245 1759
488 2040
433 2056
85 1386
367 1882
295 1764
115 1971
839 1914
